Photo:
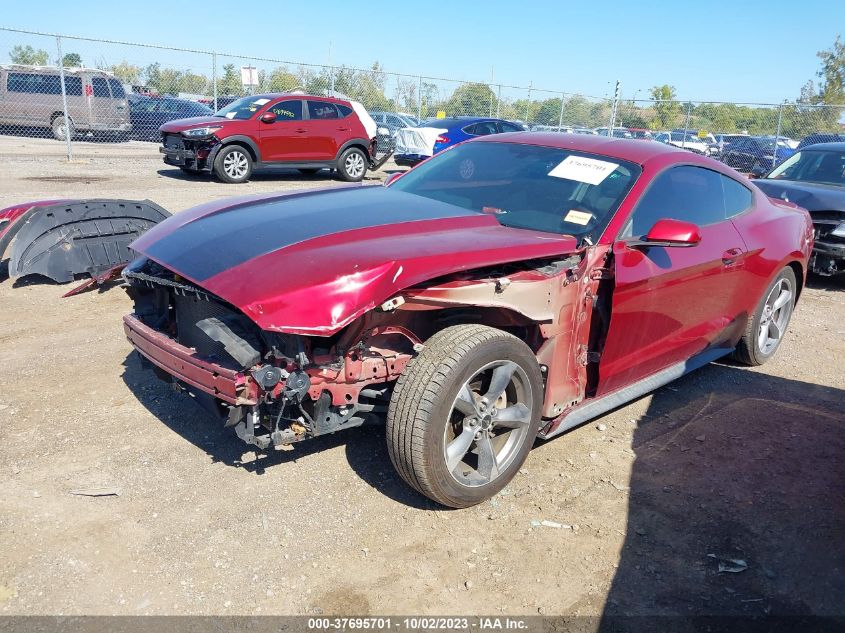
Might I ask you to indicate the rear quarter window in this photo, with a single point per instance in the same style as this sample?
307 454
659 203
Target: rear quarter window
737 197
343 110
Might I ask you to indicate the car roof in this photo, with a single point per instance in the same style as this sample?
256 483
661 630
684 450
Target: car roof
632 150
837 146
460 120
297 95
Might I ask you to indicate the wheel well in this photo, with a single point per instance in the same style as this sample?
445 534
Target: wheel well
244 146
56 115
495 317
799 278
357 144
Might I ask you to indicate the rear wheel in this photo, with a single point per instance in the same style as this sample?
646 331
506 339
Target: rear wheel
233 164
352 165
767 327
60 129
464 414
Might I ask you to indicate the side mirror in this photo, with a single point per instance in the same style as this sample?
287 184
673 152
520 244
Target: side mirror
268 117
757 172
668 232
392 177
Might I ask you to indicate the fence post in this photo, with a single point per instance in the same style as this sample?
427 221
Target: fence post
560 118
528 105
64 97
613 108
214 78
419 98
498 101
686 124
777 137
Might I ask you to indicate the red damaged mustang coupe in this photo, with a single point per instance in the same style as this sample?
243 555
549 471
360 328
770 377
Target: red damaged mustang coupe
511 287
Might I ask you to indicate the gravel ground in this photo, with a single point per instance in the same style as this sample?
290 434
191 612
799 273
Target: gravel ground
726 463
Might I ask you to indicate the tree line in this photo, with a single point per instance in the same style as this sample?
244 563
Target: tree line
662 111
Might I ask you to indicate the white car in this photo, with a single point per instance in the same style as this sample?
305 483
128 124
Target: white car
686 141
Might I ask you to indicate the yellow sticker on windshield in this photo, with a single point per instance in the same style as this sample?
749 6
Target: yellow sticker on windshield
578 217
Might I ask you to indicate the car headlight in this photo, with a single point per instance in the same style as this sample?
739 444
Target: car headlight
839 231
384 131
199 132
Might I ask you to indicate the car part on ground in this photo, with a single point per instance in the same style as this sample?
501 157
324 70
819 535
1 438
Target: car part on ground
64 239
511 287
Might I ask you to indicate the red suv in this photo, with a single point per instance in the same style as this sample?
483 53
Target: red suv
300 131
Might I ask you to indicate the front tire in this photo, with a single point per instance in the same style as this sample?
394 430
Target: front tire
60 131
464 414
767 327
233 164
352 165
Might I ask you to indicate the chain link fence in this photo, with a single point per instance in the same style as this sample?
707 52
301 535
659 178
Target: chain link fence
75 90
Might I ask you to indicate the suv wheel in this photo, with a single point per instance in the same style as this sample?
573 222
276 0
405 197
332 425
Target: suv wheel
352 165
233 164
464 414
60 131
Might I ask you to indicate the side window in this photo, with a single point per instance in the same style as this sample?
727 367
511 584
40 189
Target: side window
471 129
100 87
344 110
737 197
117 89
290 110
691 194
321 110
19 82
73 86
509 127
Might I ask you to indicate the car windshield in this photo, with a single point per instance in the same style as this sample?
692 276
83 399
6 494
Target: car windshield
243 108
527 186
825 167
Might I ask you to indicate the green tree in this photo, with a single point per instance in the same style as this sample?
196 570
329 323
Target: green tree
230 82
127 73
832 73
28 55
281 80
471 99
666 107
71 60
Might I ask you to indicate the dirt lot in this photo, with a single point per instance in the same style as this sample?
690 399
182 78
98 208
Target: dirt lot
730 462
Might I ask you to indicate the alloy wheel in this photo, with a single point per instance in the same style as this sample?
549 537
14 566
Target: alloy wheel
354 165
775 316
488 422
236 165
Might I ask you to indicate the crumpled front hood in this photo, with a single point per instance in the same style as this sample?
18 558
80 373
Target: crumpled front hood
180 125
811 196
312 262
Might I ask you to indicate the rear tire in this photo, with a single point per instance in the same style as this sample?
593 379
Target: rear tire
767 326
233 164
58 127
352 165
452 434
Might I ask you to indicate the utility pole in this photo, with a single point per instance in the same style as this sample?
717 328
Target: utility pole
613 108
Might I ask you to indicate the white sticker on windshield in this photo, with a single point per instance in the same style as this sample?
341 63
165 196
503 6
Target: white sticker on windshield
578 217
230 115
588 170
260 101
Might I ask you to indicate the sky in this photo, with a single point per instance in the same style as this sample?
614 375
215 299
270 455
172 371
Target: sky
742 51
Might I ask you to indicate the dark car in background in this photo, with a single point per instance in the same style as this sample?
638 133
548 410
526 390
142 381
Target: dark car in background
756 155
148 113
814 178
820 137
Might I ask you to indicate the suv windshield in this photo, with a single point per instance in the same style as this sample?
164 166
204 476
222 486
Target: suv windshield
527 186
826 167
243 108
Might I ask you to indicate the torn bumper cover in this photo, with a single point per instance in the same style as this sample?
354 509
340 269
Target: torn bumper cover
828 256
63 239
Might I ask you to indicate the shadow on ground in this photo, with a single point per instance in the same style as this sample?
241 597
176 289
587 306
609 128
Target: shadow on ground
268 174
742 472
365 447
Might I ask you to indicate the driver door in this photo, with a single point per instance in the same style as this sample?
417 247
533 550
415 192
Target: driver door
287 138
670 303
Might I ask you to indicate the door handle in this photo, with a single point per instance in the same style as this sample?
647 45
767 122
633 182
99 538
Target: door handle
343 129
730 256
301 130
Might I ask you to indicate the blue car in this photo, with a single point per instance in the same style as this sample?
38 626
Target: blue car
415 144
147 114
